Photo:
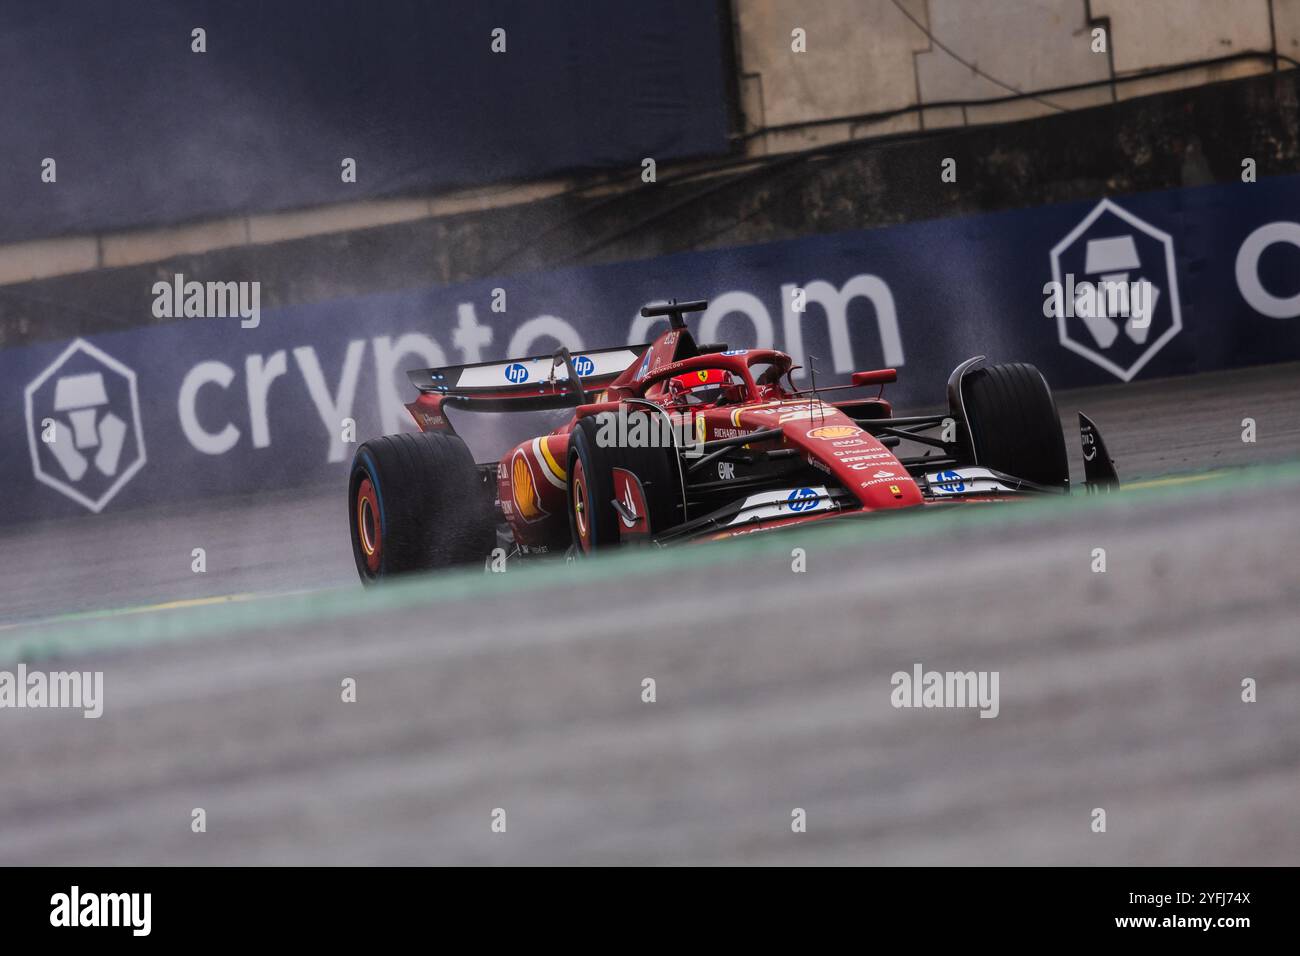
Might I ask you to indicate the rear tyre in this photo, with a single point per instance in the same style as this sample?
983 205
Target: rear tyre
1014 425
594 524
417 502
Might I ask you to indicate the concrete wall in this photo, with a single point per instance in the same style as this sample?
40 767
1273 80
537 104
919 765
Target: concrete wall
867 57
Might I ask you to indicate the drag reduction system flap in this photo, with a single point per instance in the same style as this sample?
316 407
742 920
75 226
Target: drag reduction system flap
530 376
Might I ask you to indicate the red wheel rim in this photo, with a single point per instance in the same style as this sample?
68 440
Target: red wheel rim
369 533
581 518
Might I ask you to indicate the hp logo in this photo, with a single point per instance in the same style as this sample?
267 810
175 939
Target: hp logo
951 481
516 373
801 499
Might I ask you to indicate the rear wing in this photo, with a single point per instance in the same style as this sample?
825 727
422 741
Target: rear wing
551 381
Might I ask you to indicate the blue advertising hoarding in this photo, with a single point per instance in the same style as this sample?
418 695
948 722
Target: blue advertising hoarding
204 406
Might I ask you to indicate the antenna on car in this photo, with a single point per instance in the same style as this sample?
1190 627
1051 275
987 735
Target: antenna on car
675 311
812 370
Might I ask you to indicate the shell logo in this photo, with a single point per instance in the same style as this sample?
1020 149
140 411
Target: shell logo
523 490
834 431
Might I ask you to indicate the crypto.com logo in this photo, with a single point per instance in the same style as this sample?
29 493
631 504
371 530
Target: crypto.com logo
83 425
1111 245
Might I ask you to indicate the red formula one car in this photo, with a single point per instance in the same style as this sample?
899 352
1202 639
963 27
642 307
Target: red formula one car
674 441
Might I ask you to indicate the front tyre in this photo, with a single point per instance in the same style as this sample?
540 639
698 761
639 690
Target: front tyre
1014 424
417 502
594 523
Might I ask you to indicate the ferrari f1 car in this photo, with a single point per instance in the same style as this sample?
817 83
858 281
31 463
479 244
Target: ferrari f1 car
674 441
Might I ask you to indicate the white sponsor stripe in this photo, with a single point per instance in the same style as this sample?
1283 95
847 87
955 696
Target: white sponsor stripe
774 504
539 370
965 481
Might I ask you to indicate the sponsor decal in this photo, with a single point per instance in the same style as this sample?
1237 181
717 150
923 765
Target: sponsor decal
781 503
736 352
969 481
878 481
83 425
848 456
801 499
584 366
1115 252
700 430
629 502
827 432
554 472
524 490
627 488
1246 268
799 413
516 373
950 481
726 470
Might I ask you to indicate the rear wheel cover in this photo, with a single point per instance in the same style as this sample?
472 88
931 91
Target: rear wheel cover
369 526
582 516
417 502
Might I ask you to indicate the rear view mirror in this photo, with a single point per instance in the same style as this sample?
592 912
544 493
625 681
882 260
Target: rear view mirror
880 376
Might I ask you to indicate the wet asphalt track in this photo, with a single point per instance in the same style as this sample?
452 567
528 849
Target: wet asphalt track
523 691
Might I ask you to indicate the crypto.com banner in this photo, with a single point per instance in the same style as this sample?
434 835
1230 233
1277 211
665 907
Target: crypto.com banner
203 407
